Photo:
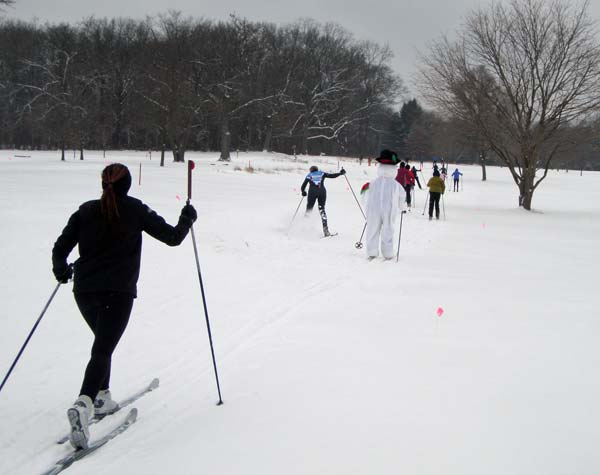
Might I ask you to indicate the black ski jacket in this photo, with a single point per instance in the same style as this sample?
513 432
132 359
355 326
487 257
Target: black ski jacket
111 262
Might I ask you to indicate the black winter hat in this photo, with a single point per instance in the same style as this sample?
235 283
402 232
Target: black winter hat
387 157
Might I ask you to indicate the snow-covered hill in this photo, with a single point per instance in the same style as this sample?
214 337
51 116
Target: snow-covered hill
329 364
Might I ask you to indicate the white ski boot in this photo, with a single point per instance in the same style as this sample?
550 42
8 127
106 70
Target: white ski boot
79 417
104 404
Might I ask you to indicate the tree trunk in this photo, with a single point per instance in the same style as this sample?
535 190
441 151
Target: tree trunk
62 150
304 149
482 162
248 137
117 133
526 189
225 140
363 138
178 152
162 155
268 135
80 151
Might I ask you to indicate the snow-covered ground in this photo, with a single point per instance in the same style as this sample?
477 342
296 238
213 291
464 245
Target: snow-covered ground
329 364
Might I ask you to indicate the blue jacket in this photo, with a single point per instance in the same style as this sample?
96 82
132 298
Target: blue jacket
456 174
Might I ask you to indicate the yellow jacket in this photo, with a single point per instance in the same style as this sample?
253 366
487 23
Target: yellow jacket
436 184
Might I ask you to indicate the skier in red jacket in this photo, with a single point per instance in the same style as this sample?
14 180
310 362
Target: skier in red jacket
410 184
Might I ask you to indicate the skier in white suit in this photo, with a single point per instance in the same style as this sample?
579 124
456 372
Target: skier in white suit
385 198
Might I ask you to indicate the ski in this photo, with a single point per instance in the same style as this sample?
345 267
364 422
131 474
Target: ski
76 455
125 402
330 235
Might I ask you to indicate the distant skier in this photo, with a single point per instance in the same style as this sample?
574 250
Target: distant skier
436 190
410 184
456 175
400 173
384 197
443 173
317 193
109 234
415 172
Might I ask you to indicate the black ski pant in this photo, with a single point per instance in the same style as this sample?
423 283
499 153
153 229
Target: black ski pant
107 315
408 189
320 197
455 185
434 200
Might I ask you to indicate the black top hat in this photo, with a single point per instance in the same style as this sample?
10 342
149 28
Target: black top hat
387 157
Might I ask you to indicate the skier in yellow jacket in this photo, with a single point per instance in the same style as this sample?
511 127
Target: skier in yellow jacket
436 190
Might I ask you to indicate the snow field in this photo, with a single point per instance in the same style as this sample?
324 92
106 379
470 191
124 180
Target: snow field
328 363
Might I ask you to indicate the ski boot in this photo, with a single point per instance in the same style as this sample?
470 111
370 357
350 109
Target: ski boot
104 404
79 417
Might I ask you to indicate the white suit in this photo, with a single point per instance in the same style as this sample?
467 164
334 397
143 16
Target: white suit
385 199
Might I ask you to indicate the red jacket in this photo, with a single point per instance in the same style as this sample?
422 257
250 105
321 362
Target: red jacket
410 178
401 176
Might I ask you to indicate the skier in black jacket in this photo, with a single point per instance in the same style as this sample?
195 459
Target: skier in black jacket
109 234
317 192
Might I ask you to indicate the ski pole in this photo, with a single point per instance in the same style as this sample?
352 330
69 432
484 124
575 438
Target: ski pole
359 244
443 207
294 217
426 200
355 198
212 350
400 235
29 336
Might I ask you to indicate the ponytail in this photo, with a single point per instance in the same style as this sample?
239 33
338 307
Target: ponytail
116 180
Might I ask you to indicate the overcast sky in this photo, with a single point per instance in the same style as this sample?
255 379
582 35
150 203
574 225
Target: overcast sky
405 25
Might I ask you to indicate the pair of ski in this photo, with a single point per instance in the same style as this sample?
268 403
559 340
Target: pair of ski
127 421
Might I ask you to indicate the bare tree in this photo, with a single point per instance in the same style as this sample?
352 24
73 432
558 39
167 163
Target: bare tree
59 91
193 84
377 88
520 73
236 68
320 99
175 106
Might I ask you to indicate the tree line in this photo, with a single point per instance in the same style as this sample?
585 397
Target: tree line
519 86
522 80
183 84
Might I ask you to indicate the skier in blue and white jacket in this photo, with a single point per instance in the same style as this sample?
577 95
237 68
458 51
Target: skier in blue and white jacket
317 192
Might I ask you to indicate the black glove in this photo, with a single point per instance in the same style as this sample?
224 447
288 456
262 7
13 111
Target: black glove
189 212
342 172
303 193
64 275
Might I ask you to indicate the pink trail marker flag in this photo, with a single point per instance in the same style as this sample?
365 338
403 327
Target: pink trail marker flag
440 311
